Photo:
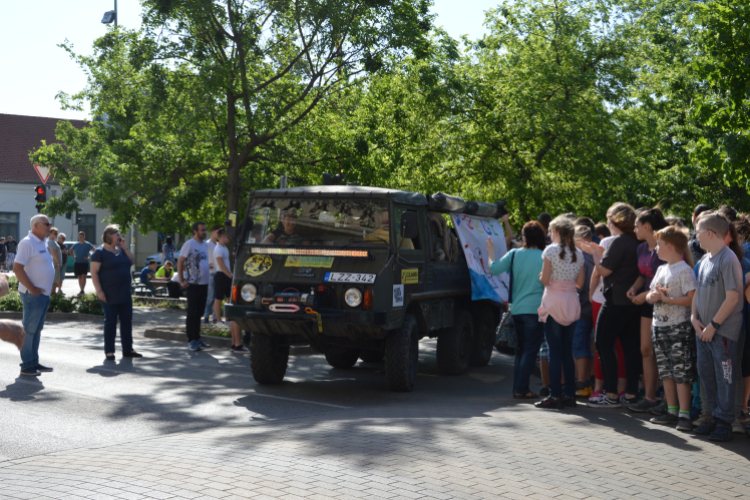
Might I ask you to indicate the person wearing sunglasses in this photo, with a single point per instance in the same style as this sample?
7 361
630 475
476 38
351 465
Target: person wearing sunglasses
35 272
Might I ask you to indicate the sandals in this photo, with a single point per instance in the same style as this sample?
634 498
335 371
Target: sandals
530 395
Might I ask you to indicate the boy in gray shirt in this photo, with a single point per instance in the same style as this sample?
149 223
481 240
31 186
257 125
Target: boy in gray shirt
717 318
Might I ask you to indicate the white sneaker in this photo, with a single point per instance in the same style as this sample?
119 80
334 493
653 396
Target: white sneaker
737 427
703 419
604 401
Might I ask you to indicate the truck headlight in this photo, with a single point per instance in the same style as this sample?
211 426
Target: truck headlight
353 297
248 292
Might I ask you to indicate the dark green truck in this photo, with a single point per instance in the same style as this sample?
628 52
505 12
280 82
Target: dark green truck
356 273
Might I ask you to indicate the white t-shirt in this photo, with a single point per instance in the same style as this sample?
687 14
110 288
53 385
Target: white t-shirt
196 262
35 257
598 296
678 279
211 246
563 269
223 252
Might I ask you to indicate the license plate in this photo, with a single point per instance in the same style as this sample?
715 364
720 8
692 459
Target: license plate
350 278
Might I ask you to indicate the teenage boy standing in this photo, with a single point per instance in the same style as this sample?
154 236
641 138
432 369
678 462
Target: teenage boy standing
80 252
192 271
716 315
210 246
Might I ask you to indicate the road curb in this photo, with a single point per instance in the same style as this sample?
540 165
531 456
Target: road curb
55 316
158 333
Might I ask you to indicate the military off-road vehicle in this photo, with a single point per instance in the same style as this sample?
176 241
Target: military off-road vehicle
356 273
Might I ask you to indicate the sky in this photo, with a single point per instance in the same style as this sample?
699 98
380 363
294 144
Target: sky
35 69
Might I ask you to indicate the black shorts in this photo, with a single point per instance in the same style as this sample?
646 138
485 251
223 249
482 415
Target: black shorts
81 268
647 310
223 286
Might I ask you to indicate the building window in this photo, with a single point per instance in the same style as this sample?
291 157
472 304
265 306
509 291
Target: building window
88 226
9 224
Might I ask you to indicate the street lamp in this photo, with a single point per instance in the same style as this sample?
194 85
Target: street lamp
110 16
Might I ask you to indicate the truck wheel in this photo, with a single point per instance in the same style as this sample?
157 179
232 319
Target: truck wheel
402 356
454 345
343 359
268 359
371 356
484 337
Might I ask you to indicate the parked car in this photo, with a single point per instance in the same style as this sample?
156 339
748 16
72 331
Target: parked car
71 260
157 257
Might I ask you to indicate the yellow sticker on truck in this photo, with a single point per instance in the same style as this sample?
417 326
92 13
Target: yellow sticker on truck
257 265
308 261
409 276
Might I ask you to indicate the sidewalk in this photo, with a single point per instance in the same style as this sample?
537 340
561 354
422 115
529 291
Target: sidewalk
478 449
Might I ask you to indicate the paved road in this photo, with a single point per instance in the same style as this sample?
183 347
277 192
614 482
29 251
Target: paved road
179 424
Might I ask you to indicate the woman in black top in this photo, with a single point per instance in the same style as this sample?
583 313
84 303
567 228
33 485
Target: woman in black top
619 317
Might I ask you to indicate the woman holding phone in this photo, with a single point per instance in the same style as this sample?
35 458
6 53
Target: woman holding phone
110 273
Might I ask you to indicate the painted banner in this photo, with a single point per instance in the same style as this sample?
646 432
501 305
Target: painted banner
472 232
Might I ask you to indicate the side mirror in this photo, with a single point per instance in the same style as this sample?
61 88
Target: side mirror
410 225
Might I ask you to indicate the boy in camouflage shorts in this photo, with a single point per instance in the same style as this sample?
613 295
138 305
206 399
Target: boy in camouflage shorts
672 291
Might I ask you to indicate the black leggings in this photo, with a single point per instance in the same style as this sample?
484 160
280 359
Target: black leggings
623 322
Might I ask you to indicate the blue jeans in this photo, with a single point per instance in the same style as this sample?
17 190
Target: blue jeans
530 333
111 313
34 311
582 339
560 340
718 370
210 298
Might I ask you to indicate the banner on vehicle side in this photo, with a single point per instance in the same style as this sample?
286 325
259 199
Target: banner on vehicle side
472 233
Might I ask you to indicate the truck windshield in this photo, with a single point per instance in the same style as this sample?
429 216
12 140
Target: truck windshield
319 222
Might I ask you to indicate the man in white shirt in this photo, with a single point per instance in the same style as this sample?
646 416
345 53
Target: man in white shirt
192 271
35 272
211 245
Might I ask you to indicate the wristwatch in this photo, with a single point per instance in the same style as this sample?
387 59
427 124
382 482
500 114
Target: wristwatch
715 325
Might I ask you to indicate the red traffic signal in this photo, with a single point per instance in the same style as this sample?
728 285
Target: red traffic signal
41 193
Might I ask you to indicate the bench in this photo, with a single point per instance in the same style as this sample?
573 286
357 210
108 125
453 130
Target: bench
140 289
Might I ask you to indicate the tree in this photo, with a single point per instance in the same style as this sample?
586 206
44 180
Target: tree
204 93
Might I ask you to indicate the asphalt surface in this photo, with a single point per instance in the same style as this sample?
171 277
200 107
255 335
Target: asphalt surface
88 401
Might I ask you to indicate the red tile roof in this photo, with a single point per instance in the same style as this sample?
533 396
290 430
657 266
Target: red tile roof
19 135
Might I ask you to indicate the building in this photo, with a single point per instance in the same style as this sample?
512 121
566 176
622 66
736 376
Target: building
19 135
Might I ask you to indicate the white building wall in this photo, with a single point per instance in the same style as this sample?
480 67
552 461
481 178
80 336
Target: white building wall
19 198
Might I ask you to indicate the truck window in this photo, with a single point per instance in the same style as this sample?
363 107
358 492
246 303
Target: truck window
407 244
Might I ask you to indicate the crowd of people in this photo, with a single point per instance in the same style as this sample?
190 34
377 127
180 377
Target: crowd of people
636 313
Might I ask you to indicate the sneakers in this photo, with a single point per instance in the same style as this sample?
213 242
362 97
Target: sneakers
707 428
239 348
642 406
604 401
596 395
737 427
30 372
44 369
722 433
584 390
544 391
569 402
744 416
194 345
703 419
625 401
550 403
684 424
659 409
665 419
132 354
203 344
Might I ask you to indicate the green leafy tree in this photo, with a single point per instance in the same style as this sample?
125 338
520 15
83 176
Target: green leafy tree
191 109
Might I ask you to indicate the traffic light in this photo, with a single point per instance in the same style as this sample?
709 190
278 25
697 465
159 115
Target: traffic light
78 218
40 195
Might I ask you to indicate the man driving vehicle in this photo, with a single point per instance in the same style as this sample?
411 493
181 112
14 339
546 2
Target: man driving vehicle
284 234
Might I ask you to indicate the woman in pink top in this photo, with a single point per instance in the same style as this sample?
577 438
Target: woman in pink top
562 275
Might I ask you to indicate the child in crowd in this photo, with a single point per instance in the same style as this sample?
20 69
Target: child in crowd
716 315
562 273
602 231
671 294
582 337
647 222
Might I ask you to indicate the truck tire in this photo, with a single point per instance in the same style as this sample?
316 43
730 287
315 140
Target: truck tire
484 337
343 359
268 359
371 355
402 356
455 344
